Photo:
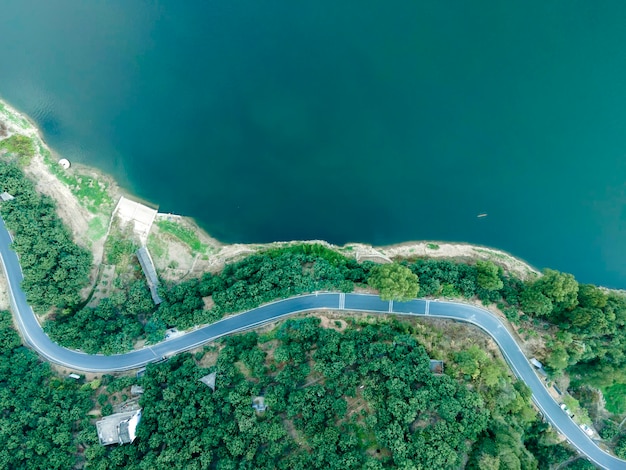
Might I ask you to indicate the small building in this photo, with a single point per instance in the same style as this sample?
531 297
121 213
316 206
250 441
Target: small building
136 390
139 215
258 403
209 380
120 428
74 376
147 266
436 367
4 196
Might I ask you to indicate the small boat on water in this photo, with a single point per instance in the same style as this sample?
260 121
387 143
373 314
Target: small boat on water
480 216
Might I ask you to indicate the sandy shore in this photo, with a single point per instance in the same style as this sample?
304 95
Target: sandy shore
81 221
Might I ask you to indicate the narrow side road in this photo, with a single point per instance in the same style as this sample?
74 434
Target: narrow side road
40 342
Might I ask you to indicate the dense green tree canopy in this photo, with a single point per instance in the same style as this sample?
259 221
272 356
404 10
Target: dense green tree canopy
361 398
394 282
534 301
620 448
55 268
560 288
590 296
40 414
488 275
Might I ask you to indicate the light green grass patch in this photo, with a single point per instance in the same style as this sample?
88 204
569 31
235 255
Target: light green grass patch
157 248
20 146
97 229
10 116
91 193
184 234
615 397
432 246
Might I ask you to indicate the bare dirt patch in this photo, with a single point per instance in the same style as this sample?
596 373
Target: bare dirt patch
268 348
105 285
209 359
334 323
208 301
295 435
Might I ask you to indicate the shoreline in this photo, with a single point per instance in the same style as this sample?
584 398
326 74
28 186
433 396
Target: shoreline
81 220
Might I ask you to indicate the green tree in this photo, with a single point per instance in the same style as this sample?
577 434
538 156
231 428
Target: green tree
488 275
558 358
620 447
589 296
609 430
560 288
394 282
534 301
55 268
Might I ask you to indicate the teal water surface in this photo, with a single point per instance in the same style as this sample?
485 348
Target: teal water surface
368 121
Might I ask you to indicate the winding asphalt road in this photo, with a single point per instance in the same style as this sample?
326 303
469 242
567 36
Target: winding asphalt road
39 341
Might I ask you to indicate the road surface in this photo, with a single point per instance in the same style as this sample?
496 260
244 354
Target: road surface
39 341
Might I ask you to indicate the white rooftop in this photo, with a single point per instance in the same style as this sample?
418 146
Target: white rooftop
139 214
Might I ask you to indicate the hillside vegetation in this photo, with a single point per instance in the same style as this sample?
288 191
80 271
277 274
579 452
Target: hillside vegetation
55 268
359 398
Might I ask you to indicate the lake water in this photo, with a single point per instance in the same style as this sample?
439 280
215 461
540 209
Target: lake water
368 121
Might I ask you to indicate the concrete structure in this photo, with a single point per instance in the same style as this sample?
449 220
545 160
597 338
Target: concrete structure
136 390
209 380
5 196
258 403
145 260
436 367
120 428
65 163
139 215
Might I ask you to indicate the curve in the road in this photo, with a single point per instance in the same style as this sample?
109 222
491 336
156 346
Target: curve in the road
39 341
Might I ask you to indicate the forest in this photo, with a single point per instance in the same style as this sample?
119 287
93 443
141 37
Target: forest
359 395
55 268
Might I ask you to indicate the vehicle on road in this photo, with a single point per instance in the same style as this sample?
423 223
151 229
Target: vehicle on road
566 409
587 430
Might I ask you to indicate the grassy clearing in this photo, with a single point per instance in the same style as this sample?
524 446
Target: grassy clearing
92 194
20 146
97 228
120 246
157 248
615 397
433 246
184 234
